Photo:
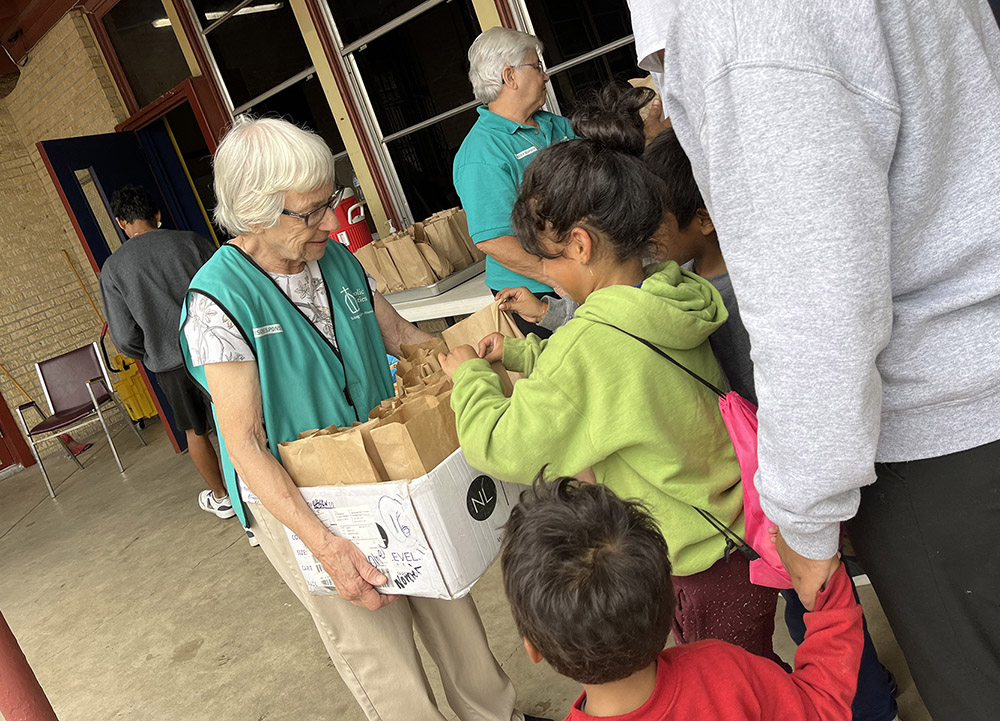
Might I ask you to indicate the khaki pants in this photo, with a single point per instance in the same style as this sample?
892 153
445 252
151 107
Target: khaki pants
376 654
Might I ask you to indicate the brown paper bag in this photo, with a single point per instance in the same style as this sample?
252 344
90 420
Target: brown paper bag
417 437
385 408
460 225
646 82
433 385
440 264
415 376
393 281
479 325
441 235
432 346
366 256
421 354
328 459
410 262
365 430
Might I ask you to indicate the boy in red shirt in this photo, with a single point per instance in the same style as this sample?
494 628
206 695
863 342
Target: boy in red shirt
588 579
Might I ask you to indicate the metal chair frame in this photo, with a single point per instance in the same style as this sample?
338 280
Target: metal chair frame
87 420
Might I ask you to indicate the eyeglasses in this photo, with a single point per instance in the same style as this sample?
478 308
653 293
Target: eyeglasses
537 66
315 217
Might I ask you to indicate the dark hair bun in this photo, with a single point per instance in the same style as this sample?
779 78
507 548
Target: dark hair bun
610 117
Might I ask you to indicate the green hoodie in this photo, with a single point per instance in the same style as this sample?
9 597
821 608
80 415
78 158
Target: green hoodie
594 397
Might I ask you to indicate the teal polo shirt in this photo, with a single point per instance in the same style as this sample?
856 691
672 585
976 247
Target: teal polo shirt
487 173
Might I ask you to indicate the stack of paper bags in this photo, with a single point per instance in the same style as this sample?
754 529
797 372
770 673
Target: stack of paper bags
404 437
479 325
422 254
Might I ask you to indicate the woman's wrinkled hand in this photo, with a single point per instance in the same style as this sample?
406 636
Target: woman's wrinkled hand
353 576
491 348
523 302
451 361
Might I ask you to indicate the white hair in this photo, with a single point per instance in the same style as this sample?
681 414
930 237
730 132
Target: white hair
492 51
257 163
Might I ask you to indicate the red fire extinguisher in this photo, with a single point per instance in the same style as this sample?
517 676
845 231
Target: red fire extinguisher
353 231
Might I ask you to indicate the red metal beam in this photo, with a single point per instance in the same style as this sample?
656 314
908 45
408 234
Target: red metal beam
33 18
13 438
506 14
21 696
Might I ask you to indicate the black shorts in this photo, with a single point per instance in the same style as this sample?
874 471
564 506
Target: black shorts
187 400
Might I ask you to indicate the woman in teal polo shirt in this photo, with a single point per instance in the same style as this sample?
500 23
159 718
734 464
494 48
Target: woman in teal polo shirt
507 78
286 334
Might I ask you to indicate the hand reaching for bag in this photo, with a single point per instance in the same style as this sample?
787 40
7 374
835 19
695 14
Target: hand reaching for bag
451 361
491 348
523 302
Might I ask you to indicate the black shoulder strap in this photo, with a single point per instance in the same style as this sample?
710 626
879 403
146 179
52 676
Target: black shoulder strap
683 367
733 540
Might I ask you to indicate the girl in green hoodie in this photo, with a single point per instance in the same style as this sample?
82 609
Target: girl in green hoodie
598 402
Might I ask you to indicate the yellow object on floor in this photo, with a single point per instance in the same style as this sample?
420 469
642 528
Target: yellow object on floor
132 390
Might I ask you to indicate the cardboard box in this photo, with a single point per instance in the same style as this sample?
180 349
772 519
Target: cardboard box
434 536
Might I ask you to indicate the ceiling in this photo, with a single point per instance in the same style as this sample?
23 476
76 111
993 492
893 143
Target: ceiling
32 18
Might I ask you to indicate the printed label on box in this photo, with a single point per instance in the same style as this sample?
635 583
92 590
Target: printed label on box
391 544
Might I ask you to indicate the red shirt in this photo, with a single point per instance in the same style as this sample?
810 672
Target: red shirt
717 681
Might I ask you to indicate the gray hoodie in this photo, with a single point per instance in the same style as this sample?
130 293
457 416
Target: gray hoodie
849 154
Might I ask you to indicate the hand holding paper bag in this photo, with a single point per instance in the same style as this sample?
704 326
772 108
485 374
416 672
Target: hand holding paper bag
451 361
475 329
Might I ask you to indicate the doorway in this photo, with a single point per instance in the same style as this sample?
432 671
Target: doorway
169 156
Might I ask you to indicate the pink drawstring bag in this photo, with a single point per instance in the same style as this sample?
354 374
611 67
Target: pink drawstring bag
740 417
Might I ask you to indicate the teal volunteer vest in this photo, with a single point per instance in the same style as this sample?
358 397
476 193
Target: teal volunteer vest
305 381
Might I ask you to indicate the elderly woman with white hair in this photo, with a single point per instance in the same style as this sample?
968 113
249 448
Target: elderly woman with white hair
286 333
508 78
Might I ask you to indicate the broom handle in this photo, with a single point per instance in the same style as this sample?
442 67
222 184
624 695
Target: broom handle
79 280
16 384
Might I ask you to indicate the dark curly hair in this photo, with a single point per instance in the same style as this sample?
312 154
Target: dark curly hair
667 159
131 203
611 116
598 182
588 579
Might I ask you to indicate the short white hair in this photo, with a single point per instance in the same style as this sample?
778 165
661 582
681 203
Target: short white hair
492 51
257 163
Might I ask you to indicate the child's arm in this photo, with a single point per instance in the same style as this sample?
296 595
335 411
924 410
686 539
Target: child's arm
826 664
514 437
520 354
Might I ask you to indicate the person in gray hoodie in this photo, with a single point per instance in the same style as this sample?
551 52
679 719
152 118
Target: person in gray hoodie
849 155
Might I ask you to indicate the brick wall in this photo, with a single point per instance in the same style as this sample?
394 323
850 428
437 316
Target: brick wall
65 90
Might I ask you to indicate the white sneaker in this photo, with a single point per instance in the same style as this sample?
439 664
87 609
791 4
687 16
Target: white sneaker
254 543
221 507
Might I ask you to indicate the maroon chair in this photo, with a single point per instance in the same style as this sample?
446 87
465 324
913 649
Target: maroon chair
77 388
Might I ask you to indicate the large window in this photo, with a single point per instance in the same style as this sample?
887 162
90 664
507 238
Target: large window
265 68
146 47
586 44
408 62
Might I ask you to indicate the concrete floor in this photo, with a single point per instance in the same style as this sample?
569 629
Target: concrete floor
131 603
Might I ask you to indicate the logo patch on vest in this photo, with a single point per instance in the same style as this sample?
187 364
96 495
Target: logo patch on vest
267 330
356 302
526 153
